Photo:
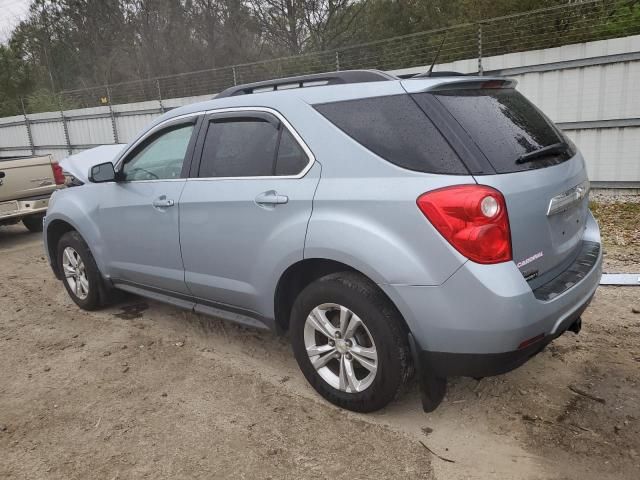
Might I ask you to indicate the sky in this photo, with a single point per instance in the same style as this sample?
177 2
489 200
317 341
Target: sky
11 12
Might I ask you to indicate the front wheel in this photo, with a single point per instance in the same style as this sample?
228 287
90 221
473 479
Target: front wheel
349 342
80 273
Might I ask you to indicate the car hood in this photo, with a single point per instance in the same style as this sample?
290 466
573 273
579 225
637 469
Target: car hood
80 164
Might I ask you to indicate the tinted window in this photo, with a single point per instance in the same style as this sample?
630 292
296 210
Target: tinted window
239 148
396 129
504 125
161 157
291 157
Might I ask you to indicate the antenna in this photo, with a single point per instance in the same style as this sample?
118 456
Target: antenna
437 56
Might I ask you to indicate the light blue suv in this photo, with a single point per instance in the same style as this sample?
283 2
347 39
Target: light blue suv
436 225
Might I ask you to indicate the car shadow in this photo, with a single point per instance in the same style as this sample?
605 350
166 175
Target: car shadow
17 235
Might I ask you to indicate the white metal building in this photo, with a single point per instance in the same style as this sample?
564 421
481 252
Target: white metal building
592 90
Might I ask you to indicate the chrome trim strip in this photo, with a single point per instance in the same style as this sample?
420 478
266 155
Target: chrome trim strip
272 111
154 180
562 202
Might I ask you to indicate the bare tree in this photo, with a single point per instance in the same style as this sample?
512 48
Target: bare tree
282 23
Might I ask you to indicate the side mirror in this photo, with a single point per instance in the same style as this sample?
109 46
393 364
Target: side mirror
102 172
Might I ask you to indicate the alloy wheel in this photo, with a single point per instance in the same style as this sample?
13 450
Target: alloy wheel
75 273
340 348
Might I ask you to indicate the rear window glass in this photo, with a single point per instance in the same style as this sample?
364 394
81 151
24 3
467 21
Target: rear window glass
505 126
397 130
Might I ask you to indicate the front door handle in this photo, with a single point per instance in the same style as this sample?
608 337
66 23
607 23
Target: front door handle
271 197
163 202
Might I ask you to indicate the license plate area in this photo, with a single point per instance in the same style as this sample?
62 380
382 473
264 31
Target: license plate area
8 207
567 226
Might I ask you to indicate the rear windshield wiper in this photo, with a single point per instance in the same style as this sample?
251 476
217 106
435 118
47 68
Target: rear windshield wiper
542 152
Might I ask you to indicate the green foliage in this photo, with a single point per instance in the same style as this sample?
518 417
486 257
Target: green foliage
44 100
76 44
624 21
15 80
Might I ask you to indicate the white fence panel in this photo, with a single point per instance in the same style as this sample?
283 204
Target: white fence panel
90 131
47 128
591 90
612 154
13 136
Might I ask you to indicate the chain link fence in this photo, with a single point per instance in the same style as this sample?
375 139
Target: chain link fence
544 28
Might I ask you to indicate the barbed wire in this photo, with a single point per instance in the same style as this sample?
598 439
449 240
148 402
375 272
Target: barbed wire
543 28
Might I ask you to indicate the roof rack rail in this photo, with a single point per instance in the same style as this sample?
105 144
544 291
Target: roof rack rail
316 79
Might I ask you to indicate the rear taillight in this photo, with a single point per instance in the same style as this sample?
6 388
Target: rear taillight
58 175
473 218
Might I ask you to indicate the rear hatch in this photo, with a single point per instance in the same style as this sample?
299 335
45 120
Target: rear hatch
26 177
508 144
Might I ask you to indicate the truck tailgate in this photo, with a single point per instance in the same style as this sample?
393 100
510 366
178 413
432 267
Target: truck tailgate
26 177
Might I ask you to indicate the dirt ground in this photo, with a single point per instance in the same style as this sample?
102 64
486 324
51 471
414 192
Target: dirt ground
143 390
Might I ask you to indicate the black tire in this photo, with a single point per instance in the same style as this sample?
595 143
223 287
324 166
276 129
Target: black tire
33 222
386 329
96 291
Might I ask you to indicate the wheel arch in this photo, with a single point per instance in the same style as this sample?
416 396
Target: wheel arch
56 225
54 232
302 273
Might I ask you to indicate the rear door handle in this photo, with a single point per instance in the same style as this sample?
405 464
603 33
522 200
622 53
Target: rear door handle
271 197
163 202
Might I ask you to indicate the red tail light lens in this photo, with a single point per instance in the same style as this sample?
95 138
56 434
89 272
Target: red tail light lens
58 176
473 218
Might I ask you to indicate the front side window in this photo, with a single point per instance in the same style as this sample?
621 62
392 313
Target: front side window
160 158
258 146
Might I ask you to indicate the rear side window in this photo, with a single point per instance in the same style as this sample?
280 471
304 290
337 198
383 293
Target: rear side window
291 158
505 126
395 128
250 146
239 148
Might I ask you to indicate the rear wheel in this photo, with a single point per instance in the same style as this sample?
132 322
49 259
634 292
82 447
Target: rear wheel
33 222
349 342
81 276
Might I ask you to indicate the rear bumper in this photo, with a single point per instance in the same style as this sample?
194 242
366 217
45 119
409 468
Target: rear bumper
477 321
480 365
26 207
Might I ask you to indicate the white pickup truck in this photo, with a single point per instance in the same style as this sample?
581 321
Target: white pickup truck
26 184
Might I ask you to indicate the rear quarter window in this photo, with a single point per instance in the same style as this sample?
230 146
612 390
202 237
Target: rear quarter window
396 129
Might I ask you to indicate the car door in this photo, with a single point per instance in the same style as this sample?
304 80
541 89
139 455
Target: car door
138 214
244 212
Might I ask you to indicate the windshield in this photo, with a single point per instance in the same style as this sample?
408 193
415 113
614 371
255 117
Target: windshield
506 127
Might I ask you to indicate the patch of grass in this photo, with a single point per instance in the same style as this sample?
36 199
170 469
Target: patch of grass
619 222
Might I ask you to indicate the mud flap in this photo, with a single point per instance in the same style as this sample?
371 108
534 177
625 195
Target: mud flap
576 326
432 388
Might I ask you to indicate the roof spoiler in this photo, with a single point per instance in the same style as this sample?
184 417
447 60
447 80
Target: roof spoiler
415 76
474 83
